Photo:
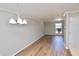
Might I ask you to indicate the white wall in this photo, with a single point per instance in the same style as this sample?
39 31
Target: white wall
66 31
74 36
50 28
15 37
72 33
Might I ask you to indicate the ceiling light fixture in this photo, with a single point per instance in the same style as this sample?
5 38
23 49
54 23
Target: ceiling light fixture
18 21
12 21
24 21
59 19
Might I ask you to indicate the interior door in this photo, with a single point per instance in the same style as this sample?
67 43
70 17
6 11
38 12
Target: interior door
74 33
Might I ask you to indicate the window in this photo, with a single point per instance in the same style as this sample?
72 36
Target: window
58 28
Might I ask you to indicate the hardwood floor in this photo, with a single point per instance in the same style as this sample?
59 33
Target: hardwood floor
46 46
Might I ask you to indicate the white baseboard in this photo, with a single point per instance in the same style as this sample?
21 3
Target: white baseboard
26 46
71 51
66 47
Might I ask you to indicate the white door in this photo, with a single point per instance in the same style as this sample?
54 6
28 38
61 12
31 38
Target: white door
74 33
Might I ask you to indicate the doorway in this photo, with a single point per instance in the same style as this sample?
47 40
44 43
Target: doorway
58 28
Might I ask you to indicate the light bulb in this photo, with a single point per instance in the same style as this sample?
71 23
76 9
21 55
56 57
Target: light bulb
19 20
24 21
59 19
12 21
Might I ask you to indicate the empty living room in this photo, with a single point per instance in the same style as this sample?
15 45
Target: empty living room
39 29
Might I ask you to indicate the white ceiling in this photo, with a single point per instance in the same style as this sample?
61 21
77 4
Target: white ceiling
40 11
